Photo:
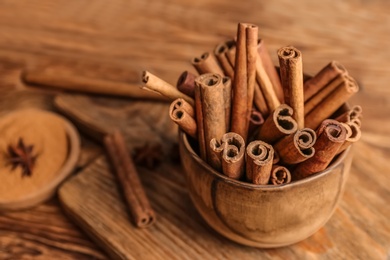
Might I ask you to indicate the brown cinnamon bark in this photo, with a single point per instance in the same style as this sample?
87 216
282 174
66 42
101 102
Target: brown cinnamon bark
217 149
128 180
280 175
353 137
58 79
323 78
239 122
155 84
266 87
255 121
355 113
182 104
221 53
233 155
331 103
280 123
259 101
199 122
213 105
207 63
290 60
227 97
270 69
259 157
296 147
231 55
331 135
186 84
325 91
183 118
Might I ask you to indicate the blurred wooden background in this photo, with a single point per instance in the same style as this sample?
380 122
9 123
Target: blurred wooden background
162 36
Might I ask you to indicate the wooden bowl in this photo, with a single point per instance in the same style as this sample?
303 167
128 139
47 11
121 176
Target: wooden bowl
263 215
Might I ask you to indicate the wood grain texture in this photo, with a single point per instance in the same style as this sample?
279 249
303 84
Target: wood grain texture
116 37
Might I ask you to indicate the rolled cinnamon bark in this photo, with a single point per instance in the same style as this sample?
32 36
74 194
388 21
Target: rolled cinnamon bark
231 55
182 104
251 58
213 105
255 121
290 60
184 120
280 123
221 53
217 149
331 135
325 91
199 122
155 84
280 175
58 79
353 137
270 69
259 101
331 103
207 63
351 115
227 96
323 78
233 155
186 83
128 180
239 122
296 147
259 157
276 158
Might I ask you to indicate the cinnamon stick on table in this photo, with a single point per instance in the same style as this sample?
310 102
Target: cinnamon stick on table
211 90
290 60
128 180
280 123
259 158
296 147
155 84
331 135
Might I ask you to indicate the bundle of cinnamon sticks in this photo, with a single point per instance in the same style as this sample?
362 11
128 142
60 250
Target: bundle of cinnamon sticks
255 123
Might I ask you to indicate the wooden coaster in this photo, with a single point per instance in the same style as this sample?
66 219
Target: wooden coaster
56 145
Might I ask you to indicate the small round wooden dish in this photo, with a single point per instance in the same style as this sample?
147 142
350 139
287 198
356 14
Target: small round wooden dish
56 144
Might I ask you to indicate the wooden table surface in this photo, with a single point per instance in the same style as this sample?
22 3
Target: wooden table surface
162 36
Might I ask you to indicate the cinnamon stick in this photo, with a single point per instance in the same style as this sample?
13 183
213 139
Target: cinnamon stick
296 147
331 135
259 157
231 55
290 60
239 122
270 69
233 155
221 53
349 116
280 175
186 83
217 149
313 102
323 78
183 119
56 78
155 84
128 179
207 63
266 87
213 105
227 97
331 103
280 123
255 121
199 122
182 104
353 137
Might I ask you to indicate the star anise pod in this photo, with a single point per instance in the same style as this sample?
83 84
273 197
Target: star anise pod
148 155
22 155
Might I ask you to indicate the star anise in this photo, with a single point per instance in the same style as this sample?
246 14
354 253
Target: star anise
22 155
148 155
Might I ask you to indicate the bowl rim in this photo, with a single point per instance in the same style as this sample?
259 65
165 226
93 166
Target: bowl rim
183 138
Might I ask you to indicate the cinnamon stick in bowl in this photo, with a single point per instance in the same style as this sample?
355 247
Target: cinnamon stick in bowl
233 163
207 63
259 157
